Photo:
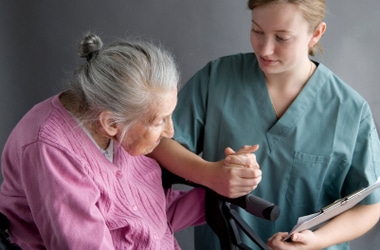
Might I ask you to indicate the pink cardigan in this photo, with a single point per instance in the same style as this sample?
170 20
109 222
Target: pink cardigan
60 192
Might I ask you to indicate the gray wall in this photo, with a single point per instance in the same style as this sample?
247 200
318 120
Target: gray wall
38 41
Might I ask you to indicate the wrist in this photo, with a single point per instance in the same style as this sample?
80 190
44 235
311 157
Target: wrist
205 174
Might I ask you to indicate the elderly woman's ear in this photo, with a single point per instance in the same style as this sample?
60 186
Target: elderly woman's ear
108 123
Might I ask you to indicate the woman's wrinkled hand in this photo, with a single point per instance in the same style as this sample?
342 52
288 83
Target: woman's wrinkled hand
238 174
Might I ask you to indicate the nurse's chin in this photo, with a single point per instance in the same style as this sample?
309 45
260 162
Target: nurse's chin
270 70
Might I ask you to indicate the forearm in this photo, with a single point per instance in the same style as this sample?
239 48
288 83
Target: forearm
182 162
185 208
234 176
349 225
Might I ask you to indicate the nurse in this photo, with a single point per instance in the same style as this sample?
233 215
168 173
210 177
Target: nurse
318 141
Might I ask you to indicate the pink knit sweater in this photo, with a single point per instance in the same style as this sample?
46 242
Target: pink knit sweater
60 192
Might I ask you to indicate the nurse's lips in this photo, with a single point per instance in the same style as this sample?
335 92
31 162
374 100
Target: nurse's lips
267 61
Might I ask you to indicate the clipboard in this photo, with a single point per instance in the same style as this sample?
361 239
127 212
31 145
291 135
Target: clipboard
337 207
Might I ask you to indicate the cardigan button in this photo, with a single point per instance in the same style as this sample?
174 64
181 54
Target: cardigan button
119 174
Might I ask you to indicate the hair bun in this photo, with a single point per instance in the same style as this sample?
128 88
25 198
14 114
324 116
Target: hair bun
90 45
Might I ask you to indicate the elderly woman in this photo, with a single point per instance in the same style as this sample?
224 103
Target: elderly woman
75 171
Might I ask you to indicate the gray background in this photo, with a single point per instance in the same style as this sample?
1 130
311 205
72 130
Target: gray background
38 42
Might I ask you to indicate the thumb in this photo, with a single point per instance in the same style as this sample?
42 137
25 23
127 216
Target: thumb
248 149
297 237
228 151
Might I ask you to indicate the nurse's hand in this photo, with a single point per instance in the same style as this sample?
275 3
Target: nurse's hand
305 240
238 174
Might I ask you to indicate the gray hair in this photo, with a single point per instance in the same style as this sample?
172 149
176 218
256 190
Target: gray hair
122 78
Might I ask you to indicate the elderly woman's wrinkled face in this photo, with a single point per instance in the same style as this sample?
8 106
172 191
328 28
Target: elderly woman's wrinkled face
144 136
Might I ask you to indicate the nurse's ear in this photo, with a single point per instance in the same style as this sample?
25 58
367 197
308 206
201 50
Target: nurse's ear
317 34
108 123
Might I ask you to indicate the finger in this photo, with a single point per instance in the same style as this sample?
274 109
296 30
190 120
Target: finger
247 182
249 173
244 174
235 163
298 237
238 170
242 160
228 151
248 149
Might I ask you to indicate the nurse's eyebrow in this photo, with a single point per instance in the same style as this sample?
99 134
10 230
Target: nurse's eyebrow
278 31
253 21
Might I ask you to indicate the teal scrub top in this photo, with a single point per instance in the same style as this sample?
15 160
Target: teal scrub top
324 147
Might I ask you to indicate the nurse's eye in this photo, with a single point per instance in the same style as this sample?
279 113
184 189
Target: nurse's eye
282 38
257 31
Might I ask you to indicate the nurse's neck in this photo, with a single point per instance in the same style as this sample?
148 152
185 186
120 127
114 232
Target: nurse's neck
294 79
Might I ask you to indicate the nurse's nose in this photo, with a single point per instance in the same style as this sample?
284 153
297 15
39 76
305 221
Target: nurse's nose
267 47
